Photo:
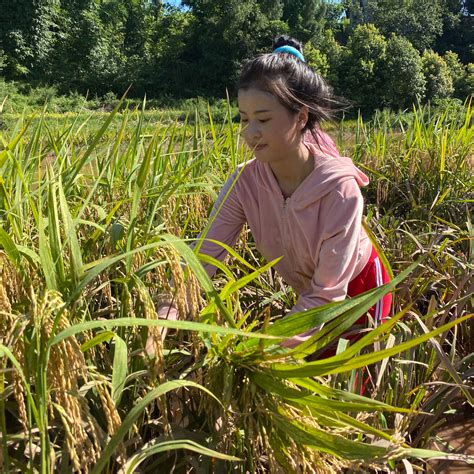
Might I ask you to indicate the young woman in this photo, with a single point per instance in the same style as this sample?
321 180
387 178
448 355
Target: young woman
300 203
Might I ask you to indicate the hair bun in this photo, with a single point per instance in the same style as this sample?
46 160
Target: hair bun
285 40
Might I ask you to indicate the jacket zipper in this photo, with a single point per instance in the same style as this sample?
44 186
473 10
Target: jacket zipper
285 228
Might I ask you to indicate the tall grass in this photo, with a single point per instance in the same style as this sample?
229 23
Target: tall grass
96 220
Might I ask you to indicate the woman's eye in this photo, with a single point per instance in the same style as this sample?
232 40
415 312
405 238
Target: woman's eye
264 120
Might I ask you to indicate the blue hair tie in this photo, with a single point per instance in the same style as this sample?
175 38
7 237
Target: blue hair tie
290 50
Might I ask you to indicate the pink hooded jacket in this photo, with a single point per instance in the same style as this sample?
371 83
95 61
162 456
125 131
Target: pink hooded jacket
317 230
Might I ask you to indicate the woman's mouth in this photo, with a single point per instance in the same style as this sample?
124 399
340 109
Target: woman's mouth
259 147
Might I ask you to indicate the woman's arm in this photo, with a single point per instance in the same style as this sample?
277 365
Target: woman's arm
338 255
225 223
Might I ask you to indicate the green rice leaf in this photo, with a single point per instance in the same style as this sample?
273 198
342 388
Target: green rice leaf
97 339
165 323
134 413
6 242
164 446
119 369
334 365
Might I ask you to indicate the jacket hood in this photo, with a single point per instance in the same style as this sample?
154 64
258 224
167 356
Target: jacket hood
328 173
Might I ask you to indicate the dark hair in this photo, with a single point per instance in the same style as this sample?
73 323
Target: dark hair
285 40
293 83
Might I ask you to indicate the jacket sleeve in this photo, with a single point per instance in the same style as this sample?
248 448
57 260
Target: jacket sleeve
225 223
342 211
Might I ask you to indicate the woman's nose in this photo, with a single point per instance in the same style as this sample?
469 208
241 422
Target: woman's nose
253 131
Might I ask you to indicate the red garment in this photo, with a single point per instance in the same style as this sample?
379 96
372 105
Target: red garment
373 275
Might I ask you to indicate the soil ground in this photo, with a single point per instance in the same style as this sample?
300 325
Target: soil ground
456 436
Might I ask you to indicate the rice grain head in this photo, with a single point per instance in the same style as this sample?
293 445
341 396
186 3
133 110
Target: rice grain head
66 370
149 312
111 413
177 273
11 329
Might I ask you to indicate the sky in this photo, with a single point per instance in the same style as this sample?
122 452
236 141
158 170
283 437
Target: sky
177 2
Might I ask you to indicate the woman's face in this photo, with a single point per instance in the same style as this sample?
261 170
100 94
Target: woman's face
269 128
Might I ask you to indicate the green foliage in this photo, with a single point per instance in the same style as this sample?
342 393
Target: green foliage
197 48
317 60
403 74
3 60
27 35
335 54
462 83
88 53
421 21
222 35
466 86
361 69
305 18
458 34
439 82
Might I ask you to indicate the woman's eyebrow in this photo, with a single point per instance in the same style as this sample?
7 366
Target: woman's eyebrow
261 111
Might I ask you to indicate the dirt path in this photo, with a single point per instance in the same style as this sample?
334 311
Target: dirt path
457 436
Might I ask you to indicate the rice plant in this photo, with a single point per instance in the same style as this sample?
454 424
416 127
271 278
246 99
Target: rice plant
96 221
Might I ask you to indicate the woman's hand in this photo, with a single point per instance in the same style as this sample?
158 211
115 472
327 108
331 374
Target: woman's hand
292 342
164 312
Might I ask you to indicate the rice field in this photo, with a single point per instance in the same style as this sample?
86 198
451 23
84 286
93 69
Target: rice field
96 216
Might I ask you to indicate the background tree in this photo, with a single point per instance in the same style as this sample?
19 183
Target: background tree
170 70
360 75
421 22
466 85
333 16
27 36
459 74
336 55
317 60
223 33
402 72
197 49
273 9
439 83
438 24
458 30
88 55
135 25
305 18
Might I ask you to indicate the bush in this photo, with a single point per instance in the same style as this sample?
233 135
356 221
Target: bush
439 83
403 74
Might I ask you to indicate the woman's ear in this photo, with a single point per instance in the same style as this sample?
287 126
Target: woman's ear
303 116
